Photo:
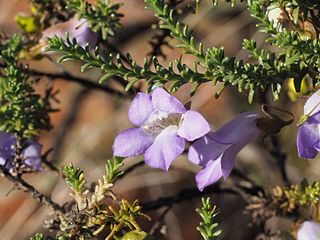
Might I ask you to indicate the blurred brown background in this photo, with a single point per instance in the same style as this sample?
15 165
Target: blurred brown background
90 119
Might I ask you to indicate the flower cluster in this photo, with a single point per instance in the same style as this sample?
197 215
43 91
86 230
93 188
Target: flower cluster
308 141
30 153
164 125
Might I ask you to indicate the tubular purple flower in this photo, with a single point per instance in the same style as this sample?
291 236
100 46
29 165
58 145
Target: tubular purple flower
309 230
7 149
30 153
308 139
216 151
163 126
77 29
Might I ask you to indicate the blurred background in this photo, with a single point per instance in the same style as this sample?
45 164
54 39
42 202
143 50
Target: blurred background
89 120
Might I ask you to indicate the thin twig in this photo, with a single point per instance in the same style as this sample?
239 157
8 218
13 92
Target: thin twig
51 166
158 224
48 163
70 78
84 82
275 150
191 193
184 195
130 169
280 157
23 185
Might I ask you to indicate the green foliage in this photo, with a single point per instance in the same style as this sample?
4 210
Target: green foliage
295 197
297 58
74 177
271 71
176 28
303 7
126 217
28 24
297 55
113 166
40 236
136 235
97 209
22 111
102 16
126 67
48 12
291 50
207 228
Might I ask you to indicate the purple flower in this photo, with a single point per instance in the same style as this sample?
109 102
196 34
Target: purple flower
7 148
77 29
30 153
309 230
308 140
216 151
164 125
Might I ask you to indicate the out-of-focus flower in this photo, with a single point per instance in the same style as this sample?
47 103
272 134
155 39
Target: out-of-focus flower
309 230
7 149
279 17
30 152
285 19
164 125
276 15
216 151
308 140
77 29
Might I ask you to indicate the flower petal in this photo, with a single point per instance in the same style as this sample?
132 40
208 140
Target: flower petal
32 154
164 102
313 104
140 109
225 143
308 139
227 161
81 31
78 29
7 148
166 148
2 159
210 174
206 149
241 129
309 230
6 139
131 142
193 126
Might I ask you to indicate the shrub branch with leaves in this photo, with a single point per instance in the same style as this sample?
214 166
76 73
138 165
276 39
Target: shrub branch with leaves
164 126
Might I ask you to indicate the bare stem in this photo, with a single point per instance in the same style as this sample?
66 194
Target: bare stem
84 82
70 78
23 185
184 195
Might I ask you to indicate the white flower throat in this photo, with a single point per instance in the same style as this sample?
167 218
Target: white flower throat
158 121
